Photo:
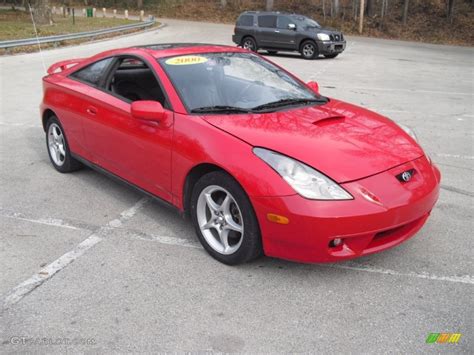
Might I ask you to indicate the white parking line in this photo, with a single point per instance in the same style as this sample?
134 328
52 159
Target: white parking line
20 291
55 222
455 156
466 279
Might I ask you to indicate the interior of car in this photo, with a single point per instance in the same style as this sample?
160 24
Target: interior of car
133 80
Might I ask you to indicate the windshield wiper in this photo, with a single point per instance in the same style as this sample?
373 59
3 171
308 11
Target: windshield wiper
220 109
287 102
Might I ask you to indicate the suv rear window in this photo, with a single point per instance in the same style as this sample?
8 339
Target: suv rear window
245 20
267 21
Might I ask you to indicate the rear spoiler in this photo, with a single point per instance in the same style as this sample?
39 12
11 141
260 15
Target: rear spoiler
63 65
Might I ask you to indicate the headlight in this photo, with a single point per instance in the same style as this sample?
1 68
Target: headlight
409 131
323 36
305 180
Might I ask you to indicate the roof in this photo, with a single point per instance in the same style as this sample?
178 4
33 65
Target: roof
268 12
161 50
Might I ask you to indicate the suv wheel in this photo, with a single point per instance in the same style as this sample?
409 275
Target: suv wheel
309 50
272 52
250 44
331 55
224 219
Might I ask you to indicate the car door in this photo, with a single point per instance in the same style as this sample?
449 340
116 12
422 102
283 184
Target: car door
266 30
138 151
284 36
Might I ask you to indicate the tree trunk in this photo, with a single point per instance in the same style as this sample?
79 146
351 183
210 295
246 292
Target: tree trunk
223 3
451 10
269 5
361 16
337 8
405 12
369 9
140 4
41 11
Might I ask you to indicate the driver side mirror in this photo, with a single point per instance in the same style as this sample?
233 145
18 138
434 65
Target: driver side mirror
313 86
292 26
147 110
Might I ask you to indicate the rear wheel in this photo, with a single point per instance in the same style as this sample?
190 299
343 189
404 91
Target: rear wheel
249 43
58 149
309 50
334 55
224 219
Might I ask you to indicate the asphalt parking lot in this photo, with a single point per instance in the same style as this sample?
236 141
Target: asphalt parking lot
87 259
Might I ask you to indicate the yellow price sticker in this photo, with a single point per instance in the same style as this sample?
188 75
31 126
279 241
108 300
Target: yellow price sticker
186 60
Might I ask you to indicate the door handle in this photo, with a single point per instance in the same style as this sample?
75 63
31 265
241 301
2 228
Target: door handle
277 31
91 110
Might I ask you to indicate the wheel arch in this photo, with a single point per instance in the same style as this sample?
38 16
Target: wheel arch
248 36
192 178
47 114
304 39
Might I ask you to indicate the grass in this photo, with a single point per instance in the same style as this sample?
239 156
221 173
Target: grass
16 24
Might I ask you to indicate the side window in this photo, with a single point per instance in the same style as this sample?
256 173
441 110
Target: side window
268 21
92 74
245 20
283 22
133 80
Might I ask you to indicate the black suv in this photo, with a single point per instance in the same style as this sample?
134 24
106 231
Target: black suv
275 31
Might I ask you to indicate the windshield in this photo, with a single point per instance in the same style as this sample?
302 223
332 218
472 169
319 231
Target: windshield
306 22
236 82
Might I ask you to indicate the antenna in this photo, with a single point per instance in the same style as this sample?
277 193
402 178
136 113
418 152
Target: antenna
36 34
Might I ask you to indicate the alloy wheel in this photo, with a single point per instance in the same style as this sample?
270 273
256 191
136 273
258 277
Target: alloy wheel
220 219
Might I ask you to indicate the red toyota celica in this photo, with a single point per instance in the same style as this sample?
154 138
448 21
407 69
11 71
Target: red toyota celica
260 161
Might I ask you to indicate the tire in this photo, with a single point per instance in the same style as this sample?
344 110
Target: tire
249 43
309 49
272 52
58 148
331 55
219 209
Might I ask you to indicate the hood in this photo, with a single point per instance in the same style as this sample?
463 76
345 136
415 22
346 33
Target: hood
341 140
327 30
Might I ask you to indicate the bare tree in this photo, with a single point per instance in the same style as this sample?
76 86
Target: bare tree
405 12
336 8
140 4
223 3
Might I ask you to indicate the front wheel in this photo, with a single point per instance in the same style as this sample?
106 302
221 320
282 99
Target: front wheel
224 219
309 50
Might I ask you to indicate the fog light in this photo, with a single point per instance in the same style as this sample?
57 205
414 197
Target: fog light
335 242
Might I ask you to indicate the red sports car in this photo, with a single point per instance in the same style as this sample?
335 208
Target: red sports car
260 161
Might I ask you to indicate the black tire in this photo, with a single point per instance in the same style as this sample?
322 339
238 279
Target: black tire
331 55
272 52
249 43
251 245
67 163
309 49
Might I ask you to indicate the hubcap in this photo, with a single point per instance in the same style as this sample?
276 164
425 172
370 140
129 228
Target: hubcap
220 220
248 44
57 148
308 50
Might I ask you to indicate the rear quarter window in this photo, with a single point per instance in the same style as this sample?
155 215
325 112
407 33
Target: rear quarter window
245 20
267 21
92 74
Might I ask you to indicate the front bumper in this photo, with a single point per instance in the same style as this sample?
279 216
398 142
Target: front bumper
366 227
331 47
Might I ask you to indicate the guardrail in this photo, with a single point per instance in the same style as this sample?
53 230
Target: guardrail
58 38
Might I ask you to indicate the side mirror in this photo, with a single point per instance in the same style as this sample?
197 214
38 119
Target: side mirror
147 110
292 26
313 86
